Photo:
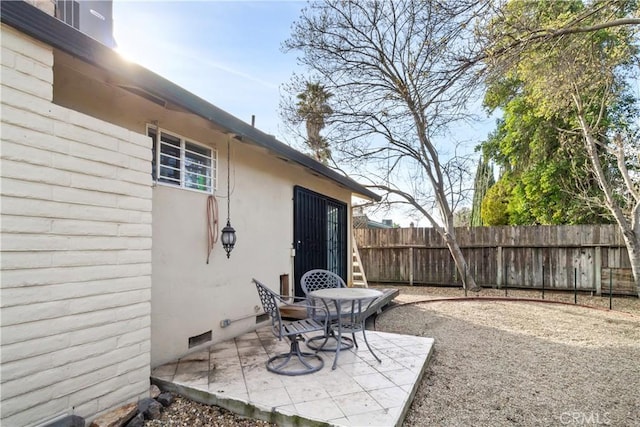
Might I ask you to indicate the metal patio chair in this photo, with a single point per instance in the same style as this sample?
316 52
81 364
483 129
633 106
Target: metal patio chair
295 362
314 280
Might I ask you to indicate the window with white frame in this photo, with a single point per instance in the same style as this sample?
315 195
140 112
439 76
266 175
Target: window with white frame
181 162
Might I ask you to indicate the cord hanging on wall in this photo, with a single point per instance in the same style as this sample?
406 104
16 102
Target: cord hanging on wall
212 224
228 232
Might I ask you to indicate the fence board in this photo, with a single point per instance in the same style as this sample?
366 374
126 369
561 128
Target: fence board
527 256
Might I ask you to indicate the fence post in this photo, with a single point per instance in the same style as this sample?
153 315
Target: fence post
506 279
610 288
575 285
597 266
499 266
411 266
542 281
464 282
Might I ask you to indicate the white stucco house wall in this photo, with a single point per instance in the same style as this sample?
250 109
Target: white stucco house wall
106 173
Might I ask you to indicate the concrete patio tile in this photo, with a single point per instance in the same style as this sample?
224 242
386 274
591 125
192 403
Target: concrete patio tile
345 356
381 344
249 360
189 366
407 387
306 393
271 398
413 363
223 345
380 418
228 388
357 368
359 392
339 384
224 353
248 340
394 352
257 350
192 380
191 372
401 376
373 381
263 382
323 409
166 371
289 410
356 403
224 363
387 365
226 376
390 397
202 355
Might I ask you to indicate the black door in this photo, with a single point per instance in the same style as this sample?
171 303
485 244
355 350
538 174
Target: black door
319 234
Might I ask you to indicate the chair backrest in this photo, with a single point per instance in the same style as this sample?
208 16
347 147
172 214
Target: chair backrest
269 300
313 280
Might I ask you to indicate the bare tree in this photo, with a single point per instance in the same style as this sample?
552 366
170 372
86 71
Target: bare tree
397 89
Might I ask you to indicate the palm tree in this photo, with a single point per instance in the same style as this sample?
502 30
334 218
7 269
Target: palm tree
313 109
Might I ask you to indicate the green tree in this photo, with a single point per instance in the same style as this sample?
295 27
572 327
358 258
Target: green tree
313 108
541 159
495 210
484 180
571 64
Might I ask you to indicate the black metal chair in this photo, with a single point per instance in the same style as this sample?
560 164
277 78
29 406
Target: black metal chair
295 362
314 280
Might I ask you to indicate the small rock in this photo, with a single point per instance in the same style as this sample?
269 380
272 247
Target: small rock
117 417
137 421
154 391
165 398
150 408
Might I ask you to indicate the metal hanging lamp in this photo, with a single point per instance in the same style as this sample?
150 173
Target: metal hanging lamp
228 232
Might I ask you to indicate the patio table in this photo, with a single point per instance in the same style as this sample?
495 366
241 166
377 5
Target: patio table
351 322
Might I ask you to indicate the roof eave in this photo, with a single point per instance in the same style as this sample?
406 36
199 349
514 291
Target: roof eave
41 26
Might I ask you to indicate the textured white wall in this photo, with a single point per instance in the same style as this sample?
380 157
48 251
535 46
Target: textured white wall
76 250
191 297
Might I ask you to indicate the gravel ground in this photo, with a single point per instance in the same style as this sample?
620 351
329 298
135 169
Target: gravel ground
186 413
503 363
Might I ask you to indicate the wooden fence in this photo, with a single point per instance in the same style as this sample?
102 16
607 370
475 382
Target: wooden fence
587 257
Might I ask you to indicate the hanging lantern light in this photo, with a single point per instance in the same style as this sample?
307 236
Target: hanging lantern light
228 232
228 238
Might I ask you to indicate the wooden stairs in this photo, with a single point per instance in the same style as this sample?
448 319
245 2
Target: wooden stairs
359 279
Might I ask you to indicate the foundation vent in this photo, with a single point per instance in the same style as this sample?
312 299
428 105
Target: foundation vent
200 339
262 318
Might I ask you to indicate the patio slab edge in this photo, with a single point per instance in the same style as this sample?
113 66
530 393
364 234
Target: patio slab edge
286 416
414 389
237 406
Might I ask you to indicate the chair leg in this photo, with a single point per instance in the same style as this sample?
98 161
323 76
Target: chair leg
364 334
303 358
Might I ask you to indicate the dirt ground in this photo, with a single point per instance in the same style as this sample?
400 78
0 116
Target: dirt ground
500 363
504 363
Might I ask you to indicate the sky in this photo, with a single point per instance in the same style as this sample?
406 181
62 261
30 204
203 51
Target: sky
229 53
226 52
